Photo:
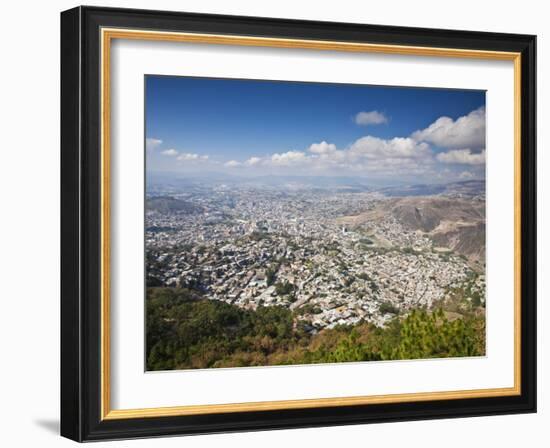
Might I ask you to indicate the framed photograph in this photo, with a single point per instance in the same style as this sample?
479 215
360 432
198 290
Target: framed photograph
277 224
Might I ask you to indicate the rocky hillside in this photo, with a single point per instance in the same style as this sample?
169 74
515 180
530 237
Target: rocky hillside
457 224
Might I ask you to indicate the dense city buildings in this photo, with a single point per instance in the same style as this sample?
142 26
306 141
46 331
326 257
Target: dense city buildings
332 256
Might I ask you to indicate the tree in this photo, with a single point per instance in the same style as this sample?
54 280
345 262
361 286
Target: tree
184 330
284 288
270 276
425 335
387 307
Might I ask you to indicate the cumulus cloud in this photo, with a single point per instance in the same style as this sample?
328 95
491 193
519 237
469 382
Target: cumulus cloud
368 154
232 164
322 148
290 158
190 157
467 131
370 118
170 152
376 148
152 143
253 161
462 156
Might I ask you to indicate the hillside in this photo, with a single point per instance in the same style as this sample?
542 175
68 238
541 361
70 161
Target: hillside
457 224
186 331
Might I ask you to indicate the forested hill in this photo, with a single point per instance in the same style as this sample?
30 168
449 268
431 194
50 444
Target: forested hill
186 331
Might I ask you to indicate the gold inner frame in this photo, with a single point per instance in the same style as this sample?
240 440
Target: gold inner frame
107 35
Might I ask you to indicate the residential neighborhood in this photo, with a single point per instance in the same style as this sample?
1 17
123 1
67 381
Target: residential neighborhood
255 247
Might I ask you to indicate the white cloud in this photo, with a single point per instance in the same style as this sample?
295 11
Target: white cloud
152 143
370 118
467 131
290 158
189 157
462 156
170 152
376 148
368 154
253 161
322 148
400 156
232 164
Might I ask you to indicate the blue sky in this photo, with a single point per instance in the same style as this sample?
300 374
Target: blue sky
248 127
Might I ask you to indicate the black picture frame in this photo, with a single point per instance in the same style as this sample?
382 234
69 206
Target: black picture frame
81 224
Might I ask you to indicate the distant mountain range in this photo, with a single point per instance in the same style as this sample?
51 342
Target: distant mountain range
320 183
465 188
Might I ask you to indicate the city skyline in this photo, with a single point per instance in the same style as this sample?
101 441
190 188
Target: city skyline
255 128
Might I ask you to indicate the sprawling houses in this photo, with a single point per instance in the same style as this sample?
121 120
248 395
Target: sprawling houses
252 247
